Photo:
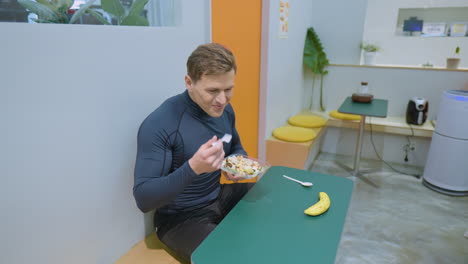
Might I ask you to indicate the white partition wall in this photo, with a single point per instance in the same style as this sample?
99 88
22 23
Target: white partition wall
282 80
71 100
286 86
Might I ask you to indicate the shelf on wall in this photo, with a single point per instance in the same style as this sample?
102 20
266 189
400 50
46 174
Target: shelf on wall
433 22
390 66
389 125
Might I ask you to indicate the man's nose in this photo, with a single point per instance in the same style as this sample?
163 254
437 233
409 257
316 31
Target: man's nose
222 98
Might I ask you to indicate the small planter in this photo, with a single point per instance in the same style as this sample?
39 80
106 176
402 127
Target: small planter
452 63
369 58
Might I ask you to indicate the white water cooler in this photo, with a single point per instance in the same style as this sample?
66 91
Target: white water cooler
446 169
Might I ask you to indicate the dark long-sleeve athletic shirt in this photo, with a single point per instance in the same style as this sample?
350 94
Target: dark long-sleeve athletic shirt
167 139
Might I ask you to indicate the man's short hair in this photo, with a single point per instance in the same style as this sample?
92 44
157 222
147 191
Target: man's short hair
210 59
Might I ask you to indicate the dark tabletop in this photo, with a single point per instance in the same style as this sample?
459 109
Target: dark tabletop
377 108
269 225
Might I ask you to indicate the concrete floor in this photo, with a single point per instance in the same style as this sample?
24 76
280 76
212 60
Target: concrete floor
400 222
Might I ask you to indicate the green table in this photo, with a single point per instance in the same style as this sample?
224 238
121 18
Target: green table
377 108
269 225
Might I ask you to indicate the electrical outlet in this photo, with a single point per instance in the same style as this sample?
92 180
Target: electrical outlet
407 148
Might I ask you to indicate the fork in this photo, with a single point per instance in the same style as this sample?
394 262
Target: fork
226 138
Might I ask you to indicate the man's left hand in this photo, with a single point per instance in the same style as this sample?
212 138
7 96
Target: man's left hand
232 177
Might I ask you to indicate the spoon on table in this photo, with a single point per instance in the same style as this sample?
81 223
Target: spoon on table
306 184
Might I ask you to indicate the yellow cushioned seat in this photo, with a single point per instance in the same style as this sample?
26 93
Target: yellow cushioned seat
338 115
294 134
309 121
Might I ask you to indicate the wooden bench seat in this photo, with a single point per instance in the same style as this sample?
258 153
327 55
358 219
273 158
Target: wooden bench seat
149 251
292 154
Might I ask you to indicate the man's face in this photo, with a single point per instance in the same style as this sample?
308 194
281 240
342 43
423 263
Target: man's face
212 92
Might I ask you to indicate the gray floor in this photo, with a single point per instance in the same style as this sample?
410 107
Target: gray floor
400 222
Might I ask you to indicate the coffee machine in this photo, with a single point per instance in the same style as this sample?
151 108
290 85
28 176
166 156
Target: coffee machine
416 112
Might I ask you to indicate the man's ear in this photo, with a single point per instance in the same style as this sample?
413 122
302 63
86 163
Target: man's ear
188 82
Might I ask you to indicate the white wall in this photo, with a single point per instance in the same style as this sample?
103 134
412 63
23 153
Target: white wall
380 28
72 99
340 26
282 70
285 83
390 147
395 85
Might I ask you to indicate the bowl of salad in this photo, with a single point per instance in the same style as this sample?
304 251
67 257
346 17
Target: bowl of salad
244 166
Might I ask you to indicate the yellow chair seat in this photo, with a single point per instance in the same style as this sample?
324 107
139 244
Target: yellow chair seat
294 134
309 121
343 116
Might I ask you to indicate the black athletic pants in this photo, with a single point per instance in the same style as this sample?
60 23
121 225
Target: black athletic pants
183 232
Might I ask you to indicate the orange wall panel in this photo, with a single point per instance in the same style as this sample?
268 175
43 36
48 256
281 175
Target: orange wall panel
237 25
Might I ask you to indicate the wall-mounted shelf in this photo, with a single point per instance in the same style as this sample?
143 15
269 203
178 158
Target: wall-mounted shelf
433 22
389 124
401 67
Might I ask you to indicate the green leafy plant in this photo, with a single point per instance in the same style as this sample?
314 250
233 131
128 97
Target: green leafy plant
457 50
316 60
130 17
369 47
54 11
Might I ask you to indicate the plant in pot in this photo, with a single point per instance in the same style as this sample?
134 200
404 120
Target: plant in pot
370 51
58 11
123 16
453 62
316 60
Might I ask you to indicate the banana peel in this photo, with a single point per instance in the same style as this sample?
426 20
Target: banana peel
320 207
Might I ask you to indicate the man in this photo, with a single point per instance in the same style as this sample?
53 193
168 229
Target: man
180 153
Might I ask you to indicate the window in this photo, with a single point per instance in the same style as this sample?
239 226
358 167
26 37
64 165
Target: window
93 12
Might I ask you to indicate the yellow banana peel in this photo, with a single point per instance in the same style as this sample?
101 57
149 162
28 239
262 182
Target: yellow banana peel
320 207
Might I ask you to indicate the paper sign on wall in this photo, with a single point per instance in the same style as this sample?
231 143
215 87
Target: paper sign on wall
458 30
433 29
283 18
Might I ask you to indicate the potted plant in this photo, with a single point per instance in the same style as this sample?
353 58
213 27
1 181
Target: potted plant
370 51
453 62
123 16
316 60
48 11
58 11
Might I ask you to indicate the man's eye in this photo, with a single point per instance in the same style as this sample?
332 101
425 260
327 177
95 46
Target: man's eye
213 91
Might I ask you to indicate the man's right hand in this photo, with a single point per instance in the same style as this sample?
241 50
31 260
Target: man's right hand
208 157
